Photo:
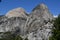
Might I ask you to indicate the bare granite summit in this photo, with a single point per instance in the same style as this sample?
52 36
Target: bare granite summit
42 10
17 12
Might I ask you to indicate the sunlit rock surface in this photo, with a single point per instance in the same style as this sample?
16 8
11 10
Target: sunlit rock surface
17 12
42 11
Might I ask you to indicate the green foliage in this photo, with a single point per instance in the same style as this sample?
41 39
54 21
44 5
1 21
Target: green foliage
56 30
9 36
26 38
18 38
0 32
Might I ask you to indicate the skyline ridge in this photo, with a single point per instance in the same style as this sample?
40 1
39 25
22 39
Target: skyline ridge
28 5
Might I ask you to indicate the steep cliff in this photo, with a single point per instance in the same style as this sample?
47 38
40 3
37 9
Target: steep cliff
42 10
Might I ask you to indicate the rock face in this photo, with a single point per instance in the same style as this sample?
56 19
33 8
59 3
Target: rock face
42 11
36 26
11 23
39 23
18 12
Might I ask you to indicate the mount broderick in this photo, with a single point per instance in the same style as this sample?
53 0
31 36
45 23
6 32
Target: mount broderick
35 26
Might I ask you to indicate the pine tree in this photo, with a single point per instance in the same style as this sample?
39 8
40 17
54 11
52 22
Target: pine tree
56 30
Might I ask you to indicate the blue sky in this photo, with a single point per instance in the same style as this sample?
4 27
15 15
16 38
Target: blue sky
28 5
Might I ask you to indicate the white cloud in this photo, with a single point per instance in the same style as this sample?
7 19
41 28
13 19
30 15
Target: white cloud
55 16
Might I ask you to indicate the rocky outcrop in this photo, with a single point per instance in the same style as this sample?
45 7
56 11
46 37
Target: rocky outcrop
42 10
42 33
18 12
36 26
39 23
